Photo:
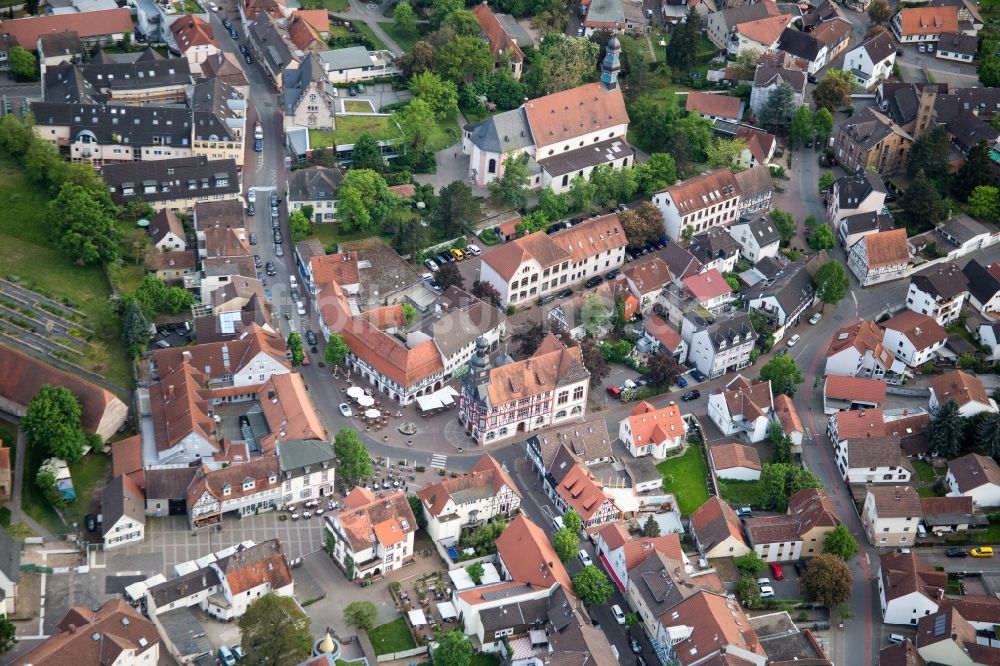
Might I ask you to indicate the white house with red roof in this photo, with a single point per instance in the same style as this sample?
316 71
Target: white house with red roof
372 533
663 338
708 628
966 390
195 39
715 107
620 552
705 201
526 556
913 338
908 587
858 350
648 431
709 289
563 135
577 489
744 408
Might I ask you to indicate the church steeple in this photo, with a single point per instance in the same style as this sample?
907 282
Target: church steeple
611 64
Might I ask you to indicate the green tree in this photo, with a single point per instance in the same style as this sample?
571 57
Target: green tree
476 571
594 361
486 292
840 542
656 173
463 22
500 88
465 56
531 223
664 370
135 329
642 223
690 138
449 276
441 9
929 154
777 111
8 631
651 121
984 203
687 233
300 225
417 121
52 423
453 649
440 95
726 153
361 615
411 235
553 206
572 521
275 631
364 200
592 586
823 124
748 592
405 19
828 580
975 171
562 63
832 283
651 528
417 507
594 315
750 565
826 180
457 209
409 313
367 154
921 203
295 348
879 11
613 186
84 223
783 374
336 350
832 92
946 429
989 66
353 463
987 435
781 444
801 129
779 481
45 480
785 224
512 187
565 544
22 63
685 43
746 63
582 195
821 237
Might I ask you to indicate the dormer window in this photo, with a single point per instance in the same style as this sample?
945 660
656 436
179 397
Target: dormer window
248 484
272 477
227 490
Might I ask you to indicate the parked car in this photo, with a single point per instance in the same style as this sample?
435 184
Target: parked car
745 512
585 558
794 340
545 300
776 571
766 591
243 50
91 522
251 210
594 281
458 254
693 394
253 238
270 269
955 551
629 384
431 264
612 274
815 318
681 382
214 7
275 199
257 261
565 293
277 237
278 252
639 661
473 249
238 652
698 375
982 551
311 338
634 644
445 258
248 58
226 656
226 23
614 391
616 610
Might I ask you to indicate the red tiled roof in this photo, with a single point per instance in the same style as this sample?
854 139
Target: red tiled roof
728 456
86 24
663 332
961 387
921 330
973 470
486 474
499 41
582 492
649 276
367 517
715 521
637 550
886 248
722 106
904 573
126 459
716 622
650 425
703 191
928 20
708 285
252 567
765 31
855 388
760 143
529 556
569 114
192 31
788 414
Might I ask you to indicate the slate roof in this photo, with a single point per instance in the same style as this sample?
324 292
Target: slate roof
731 331
168 482
799 44
792 288
297 454
138 126
879 47
767 75
863 222
680 262
170 185
716 243
754 182
983 281
973 470
870 127
587 156
955 42
964 229
586 440
315 183
121 497
764 231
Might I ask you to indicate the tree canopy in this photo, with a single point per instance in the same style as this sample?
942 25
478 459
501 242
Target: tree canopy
642 223
354 464
592 586
457 209
946 430
274 631
840 542
364 200
512 187
52 423
779 481
361 615
832 282
828 580
453 649
783 373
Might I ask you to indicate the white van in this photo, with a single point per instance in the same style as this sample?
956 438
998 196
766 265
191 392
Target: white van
301 309
557 523
292 281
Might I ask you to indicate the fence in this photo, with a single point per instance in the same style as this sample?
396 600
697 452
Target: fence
392 656
911 392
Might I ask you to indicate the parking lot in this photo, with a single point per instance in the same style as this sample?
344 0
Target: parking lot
170 541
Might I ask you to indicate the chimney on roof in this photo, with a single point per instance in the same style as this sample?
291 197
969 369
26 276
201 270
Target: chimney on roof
170 392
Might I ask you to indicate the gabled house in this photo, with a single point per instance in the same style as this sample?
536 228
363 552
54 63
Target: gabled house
989 337
505 38
716 530
924 24
789 418
975 476
880 257
758 237
651 431
871 61
744 408
315 186
715 107
707 628
577 489
760 35
857 350
715 248
783 299
720 24
854 195
842 393
817 47
737 462
645 280
870 140
891 515
872 460
621 552
855 227
166 232
967 235
966 390
526 556
984 286
309 97
123 508
756 190
909 588
709 289
373 534
938 291
483 494
663 338
913 337
957 47
768 77
717 346
705 201
943 515
195 39
588 441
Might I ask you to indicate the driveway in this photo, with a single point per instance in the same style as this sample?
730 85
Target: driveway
913 63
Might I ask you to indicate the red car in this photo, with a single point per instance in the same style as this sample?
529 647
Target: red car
776 571
614 392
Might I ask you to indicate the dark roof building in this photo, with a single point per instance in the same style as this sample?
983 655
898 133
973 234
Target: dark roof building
181 179
315 183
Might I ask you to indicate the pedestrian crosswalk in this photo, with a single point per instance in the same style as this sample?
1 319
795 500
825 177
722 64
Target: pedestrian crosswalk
438 461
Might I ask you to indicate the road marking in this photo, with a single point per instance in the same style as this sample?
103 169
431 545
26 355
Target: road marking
438 461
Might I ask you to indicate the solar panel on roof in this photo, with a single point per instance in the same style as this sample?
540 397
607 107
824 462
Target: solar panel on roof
939 623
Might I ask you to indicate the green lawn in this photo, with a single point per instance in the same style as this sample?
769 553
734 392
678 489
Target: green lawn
358 106
90 475
924 471
392 637
689 472
367 32
349 128
28 254
33 502
740 493
329 5
484 659
444 134
403 40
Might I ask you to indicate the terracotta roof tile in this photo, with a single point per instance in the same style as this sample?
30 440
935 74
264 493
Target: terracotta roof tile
164 222
905 573
192 31
507 258
500 42
973 470
728 456
592 237
614 535
864 336
814 508
582 492
703 191
709 104
179 260
217 359
667 336
773 529
895 501
715 521
529 556
572 113
855 388
651 425
928 20
886 248
708 285
544 371
975 607
86 24
303 34
288 410
649 276
366 517
126 458
921 330
750 400
788 414
487 473
760 143
765 31
637 550
939 506
252 567
961 387
716 622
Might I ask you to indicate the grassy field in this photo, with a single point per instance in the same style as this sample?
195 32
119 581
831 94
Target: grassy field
358 106
403 40
689 472
924 471
28 255
329 5
445 134
367 32
392 637
741 493
484 659
349 128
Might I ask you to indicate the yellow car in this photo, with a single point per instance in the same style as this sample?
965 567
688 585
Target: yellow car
982 551
458 254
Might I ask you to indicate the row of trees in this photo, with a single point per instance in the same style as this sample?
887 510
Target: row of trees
950 434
